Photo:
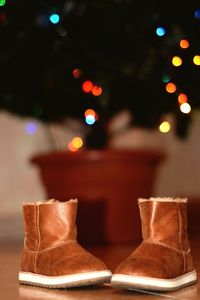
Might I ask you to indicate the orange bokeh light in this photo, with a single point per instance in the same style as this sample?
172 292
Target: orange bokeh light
96 90
87 86
170 87
182 98
71 147
90 112
184 44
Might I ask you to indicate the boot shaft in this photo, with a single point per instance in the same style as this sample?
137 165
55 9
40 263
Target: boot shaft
49 224
164 220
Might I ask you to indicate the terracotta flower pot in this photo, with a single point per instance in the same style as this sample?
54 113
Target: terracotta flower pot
107 184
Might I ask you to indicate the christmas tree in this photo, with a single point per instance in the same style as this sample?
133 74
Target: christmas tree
91 59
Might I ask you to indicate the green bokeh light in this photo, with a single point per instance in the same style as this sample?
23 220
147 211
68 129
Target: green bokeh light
165 78
2 2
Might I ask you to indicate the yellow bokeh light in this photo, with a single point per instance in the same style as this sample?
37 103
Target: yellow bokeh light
184 44
185 108
196 60
177 61
170 87
165 127
77 142
182 98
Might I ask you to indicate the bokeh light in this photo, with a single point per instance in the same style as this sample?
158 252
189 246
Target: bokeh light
170 87
77 73
96 90
90 119
71 148
31 128
75 144
176 61
184 44
87 86
54 18
2 2
160 31
165 127
197 14
182 98
196 60
185 108
165 78
90 111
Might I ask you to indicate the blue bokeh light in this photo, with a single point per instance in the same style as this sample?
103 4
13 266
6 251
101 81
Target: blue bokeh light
54 18
197 14
31 128
90 119
160 31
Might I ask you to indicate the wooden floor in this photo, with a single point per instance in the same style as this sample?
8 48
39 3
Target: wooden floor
112 256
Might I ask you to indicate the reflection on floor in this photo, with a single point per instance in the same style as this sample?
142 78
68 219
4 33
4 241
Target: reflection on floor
112 256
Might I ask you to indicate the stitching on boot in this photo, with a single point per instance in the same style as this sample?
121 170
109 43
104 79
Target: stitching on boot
179 236
166 246
184 262
38 233
49 248
35 215
164 199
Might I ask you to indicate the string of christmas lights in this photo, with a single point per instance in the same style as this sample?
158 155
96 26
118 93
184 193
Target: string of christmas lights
170 86
87 63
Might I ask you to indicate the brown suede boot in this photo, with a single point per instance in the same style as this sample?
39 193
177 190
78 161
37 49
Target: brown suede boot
163 261
52 256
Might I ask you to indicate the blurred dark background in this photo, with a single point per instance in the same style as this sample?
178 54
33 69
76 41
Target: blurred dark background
49 49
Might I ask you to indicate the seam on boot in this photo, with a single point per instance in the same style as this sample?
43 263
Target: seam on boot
163 199
49 248
179 237
38 234
184 260
35 215
166 246
50 201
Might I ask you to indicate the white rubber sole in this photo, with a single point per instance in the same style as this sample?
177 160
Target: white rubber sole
153 284
66 281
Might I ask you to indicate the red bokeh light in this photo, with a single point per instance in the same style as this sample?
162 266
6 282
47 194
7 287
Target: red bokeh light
87 86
